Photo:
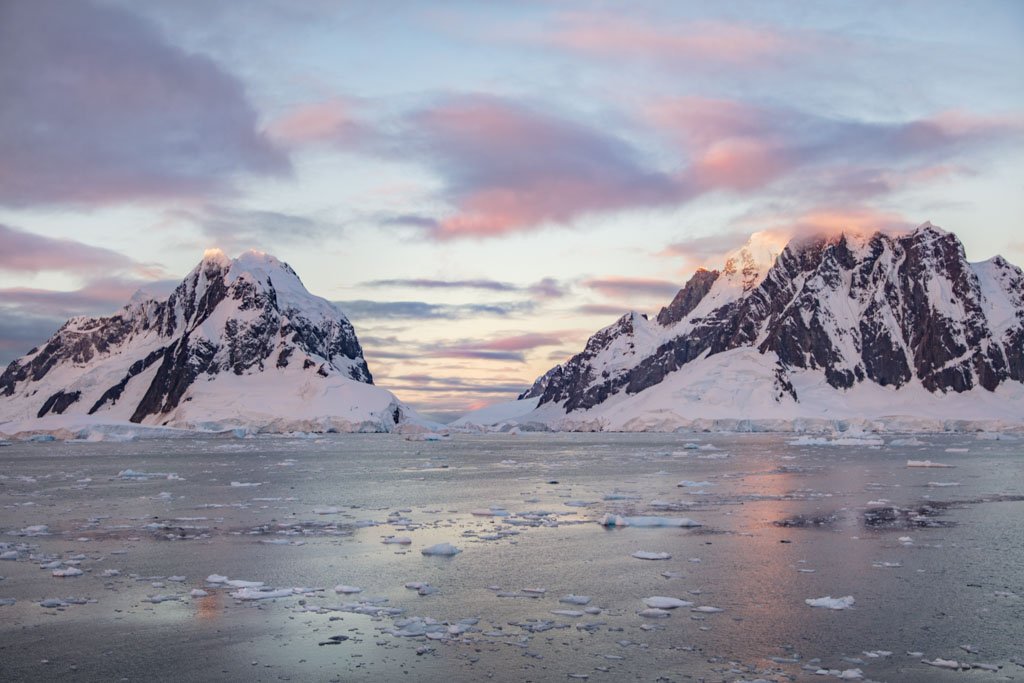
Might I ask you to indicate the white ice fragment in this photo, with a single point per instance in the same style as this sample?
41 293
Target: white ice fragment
654 613
67 571
647 555
828 602
663 602
326 511
942 663
707 609
198 593
245 484
926 463
347 590
610 520
261 594
572 599
238 583
442 550
216 578
397 540
567 612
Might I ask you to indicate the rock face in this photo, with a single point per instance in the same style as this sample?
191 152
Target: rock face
242 331
892 310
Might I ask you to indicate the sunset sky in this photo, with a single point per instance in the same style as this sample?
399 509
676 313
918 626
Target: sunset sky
483 185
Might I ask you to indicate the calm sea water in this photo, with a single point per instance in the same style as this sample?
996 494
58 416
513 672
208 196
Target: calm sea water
937 573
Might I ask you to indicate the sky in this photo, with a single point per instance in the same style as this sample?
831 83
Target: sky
482 185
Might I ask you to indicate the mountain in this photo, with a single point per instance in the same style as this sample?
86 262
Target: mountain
880 328
239 342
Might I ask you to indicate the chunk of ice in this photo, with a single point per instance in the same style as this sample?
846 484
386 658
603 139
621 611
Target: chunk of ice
828 602
663 602
648 555
442 550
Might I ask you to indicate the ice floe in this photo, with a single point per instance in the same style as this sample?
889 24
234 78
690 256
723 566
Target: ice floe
610 520
664 602
828 602
441 550
648 555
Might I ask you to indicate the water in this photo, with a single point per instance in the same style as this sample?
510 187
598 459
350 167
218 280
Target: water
957 582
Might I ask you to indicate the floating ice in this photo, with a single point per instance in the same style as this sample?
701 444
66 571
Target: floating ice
346 590
216 578
707 609
647 555
397 540
654 613
67 571
442 550
323 511
575 599
245 484
261 594
610 520
238 583
926 463
198 593
942 663
694 484
663 602
565 612
829 602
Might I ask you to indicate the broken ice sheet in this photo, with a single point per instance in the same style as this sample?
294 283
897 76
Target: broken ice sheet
649 555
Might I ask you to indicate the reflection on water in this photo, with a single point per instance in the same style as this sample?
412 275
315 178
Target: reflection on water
781 524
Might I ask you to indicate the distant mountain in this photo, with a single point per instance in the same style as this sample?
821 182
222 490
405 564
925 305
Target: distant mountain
834 327
240 342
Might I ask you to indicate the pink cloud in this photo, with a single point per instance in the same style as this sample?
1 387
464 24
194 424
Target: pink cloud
693 42
28 252
314 122
629 287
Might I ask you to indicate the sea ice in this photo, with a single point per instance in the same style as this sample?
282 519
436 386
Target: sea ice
926 463
829 602
67 571
441 549
647 555
610 520
397 540
261 594
654 613
663 602
346 590
575 599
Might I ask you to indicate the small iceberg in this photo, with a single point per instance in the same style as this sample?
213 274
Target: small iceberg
613 521
828 602
647 555
926 463
663 602
442 550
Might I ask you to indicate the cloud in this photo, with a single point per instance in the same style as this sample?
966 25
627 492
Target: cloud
510 167
238 229
100 108
693 44
427 283
21 331
746 148
702 249
629 287
601 309
421 310
28 252
100 296
546 288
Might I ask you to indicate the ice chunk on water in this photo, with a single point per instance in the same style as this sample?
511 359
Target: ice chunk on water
323 511
707 609
397 540
67 571
926 463
442 550
261 594
654 613
663 602
245 484
648 555
610 520
216 578
942 663
565 612
575 599
347 590
238 583
198 593
828 602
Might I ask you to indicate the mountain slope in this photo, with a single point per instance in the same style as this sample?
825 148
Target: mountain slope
238 342
903 322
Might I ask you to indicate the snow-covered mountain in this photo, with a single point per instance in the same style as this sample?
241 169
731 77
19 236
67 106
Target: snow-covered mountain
880 329
239 342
